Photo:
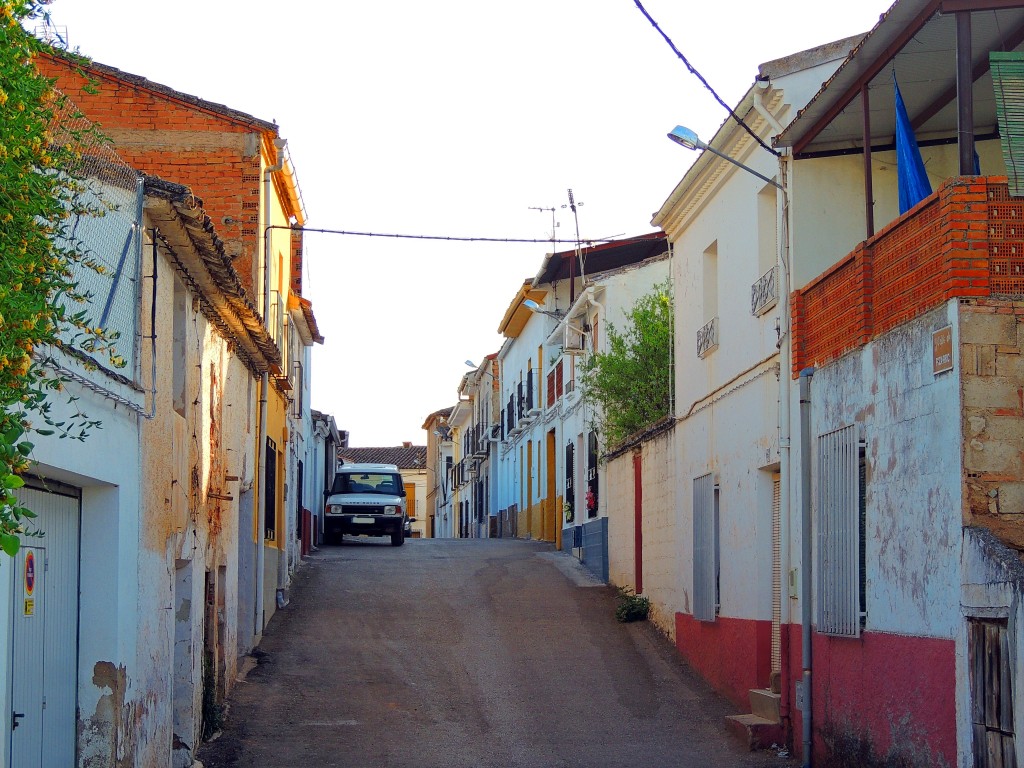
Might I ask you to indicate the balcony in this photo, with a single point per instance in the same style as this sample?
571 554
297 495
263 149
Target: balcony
961 242
707 338
764 294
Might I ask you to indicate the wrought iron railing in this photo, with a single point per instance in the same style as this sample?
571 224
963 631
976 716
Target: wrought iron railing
765 292
707 337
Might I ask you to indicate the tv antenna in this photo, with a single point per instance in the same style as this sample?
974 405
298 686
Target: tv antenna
579 253
554 223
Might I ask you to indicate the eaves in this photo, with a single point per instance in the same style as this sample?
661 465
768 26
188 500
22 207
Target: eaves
188 234
709 171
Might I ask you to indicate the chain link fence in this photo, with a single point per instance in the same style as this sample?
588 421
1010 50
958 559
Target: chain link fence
110 242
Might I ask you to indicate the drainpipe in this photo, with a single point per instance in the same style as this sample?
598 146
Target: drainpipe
785 457
264 387
805 556
761 86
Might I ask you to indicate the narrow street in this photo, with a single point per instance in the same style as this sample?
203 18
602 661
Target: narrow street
466 653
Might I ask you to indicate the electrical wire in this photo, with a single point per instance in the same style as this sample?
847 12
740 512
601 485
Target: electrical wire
439 237
704 82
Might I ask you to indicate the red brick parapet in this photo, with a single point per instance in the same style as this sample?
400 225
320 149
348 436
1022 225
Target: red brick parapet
964 240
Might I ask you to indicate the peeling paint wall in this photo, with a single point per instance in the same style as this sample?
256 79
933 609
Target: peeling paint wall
194 464
906 416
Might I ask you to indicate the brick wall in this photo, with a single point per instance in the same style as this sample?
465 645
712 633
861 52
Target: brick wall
216 155
962 241
660 551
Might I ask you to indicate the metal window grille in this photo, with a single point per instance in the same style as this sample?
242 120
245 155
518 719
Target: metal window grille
705 549
839 533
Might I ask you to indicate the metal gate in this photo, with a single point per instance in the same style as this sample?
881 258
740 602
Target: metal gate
45 633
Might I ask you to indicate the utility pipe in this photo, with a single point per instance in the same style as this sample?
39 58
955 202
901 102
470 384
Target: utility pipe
261 448
805 557
785 457
760 88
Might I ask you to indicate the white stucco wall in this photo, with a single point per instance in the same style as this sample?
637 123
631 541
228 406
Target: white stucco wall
908 418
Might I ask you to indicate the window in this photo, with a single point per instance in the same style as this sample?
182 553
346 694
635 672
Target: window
592 485
270 492
710 275
570 481
842 586
767 228
706 587
178 353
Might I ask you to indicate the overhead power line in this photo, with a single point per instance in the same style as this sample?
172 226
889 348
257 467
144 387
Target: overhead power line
436 237
700 77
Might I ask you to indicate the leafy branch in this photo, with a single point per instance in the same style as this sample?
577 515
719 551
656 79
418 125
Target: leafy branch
630 384
43 190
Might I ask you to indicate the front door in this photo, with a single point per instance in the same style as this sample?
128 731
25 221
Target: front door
44 648
27 700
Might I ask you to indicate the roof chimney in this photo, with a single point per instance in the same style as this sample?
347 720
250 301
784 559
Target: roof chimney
407 445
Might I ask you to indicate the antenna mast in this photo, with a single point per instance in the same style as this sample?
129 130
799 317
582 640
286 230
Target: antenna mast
579 252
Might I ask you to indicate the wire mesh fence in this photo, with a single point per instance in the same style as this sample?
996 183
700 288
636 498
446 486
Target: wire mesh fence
107 232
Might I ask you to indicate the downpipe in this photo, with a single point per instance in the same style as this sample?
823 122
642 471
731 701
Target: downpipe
805 559
261 448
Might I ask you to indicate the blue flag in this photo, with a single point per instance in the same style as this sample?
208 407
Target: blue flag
913 180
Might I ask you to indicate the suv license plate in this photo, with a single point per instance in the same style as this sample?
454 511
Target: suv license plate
368 520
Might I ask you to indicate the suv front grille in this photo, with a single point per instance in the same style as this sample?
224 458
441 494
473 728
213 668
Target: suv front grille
360 509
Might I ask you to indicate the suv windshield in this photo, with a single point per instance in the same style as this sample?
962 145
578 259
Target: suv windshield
367 483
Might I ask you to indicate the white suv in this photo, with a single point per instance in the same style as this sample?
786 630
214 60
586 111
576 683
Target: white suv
367 500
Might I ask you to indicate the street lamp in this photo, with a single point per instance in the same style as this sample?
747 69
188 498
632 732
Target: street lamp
473 365
533 306
687 138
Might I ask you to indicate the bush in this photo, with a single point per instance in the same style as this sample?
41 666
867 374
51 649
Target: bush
632 607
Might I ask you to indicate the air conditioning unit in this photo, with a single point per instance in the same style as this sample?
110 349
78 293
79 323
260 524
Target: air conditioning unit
574 342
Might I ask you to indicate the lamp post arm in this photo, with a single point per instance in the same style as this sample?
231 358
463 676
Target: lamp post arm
738 164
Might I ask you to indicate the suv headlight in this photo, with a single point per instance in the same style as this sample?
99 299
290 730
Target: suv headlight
334 509
390 510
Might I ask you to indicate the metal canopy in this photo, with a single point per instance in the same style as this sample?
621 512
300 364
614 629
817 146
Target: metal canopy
916 39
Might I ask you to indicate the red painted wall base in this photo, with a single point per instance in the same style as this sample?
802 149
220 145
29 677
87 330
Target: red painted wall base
897 692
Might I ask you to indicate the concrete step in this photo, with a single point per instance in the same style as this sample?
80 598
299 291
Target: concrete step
764 703
756 732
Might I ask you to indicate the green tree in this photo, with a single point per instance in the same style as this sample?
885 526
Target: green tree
630 385
42 187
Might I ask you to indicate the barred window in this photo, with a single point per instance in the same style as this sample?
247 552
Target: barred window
841 530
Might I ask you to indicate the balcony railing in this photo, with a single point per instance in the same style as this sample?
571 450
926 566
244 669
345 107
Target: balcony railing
707 338
764 294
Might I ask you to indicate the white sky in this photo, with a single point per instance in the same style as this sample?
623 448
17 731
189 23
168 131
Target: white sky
452 117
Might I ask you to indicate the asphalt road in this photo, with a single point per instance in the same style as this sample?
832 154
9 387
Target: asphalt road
472 653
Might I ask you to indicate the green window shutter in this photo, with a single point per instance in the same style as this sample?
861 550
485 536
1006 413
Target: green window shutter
1008 83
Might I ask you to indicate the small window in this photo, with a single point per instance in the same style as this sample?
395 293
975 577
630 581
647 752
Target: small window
179 347
706 576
